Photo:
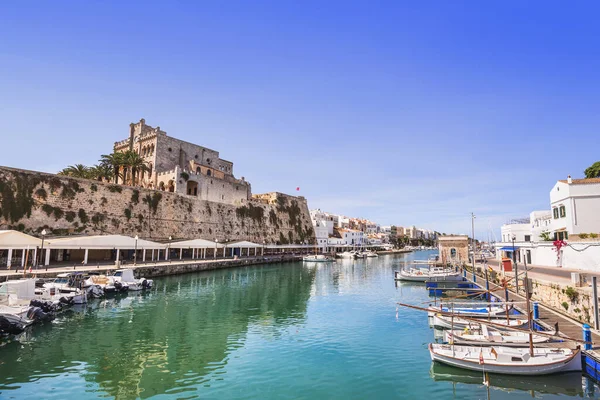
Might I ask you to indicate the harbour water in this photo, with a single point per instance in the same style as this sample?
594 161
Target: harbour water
288 331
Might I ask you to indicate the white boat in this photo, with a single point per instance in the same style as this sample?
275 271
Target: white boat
317 258
349 254
68 283
126 277
106 283
447 322
370 254
507 360
477 311
484 336
423 275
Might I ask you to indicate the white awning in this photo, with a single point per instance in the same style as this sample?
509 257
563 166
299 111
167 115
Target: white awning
104 242
10 239
196 244
243 243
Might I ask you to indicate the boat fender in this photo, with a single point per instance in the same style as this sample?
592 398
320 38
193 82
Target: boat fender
145 284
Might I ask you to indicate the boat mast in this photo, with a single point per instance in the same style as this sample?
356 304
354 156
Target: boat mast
529 322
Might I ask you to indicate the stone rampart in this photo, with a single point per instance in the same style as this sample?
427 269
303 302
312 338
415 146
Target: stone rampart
32 201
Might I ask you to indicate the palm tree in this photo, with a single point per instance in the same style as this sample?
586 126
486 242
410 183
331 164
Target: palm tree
114 161
593 171
101 172
76 171
136 163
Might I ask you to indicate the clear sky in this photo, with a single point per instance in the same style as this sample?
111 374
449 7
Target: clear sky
401 112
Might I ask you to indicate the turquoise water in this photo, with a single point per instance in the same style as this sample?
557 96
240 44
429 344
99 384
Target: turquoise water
288 331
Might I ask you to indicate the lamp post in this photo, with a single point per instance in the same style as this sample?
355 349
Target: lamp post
514 257
473 243
216 244
263 248
41 251
135 251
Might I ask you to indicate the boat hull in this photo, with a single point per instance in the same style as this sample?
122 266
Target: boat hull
570 362
451 277
458 323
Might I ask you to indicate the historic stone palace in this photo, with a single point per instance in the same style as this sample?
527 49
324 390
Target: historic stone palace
182 167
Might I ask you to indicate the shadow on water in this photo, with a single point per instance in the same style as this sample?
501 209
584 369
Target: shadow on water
177 335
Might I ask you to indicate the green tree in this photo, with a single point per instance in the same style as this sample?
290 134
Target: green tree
101 172
76 171
114 161
593 171
135 163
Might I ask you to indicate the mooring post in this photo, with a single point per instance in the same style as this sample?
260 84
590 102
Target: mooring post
587 337
595 293
536 310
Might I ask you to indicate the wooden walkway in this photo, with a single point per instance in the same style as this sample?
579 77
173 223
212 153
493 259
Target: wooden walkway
548 317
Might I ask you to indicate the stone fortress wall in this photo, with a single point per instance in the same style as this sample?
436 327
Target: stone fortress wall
32 201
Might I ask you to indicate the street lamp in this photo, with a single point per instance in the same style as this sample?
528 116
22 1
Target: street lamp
42 251
216 244
135 251
263 248
169 249
514 256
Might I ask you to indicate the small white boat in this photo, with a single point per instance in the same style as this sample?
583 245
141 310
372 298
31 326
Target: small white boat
126 277
106 283
371 254
70 284
446 322
484 336
423 275
507 360
317 258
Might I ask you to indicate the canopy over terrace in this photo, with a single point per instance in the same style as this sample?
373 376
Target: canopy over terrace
104 247
237 248
11 240
198 248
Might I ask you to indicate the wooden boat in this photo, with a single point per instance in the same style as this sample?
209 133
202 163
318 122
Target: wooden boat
446 322
507 360
477 311
484 336
422 275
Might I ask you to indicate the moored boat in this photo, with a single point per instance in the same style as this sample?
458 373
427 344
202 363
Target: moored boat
507 360
484 336
447 322
423 275
126 277
477 311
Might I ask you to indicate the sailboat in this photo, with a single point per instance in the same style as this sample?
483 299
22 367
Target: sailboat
448 322
484 336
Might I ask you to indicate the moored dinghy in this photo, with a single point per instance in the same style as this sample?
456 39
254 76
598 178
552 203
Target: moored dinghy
125 276
507 360
423 275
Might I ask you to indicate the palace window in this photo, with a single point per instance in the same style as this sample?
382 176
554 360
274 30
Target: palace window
555 212
528 238
563 211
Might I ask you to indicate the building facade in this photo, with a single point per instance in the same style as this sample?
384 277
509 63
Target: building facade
185 168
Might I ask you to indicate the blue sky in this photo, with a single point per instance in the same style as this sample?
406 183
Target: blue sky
401 112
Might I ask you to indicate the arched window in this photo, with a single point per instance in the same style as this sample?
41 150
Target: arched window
453 252
208 172
161 186
149 170
198 170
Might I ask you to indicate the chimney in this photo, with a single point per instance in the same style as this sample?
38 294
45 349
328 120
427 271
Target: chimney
569 180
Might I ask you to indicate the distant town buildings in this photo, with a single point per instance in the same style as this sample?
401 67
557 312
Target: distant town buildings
334 229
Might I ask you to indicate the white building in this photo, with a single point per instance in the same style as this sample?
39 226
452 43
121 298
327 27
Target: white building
352 237
575 210
575 205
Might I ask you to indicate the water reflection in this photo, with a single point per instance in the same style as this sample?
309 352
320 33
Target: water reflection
177 336
571 384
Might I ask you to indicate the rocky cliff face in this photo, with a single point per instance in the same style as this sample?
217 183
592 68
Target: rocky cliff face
32 201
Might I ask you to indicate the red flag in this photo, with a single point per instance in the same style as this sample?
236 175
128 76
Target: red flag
298 189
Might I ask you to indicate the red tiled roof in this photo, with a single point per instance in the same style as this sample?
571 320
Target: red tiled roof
582 181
